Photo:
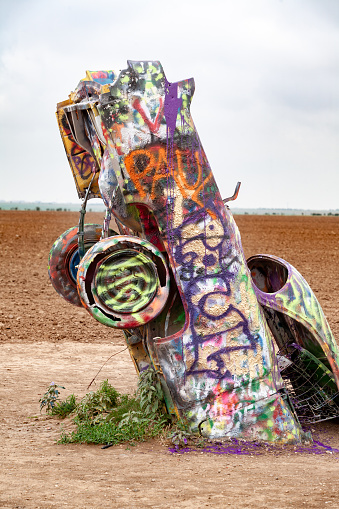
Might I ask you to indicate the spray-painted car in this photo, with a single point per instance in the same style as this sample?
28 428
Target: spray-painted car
242 348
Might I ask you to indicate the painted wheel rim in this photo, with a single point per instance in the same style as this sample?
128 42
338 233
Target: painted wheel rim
119 282
64 260
126 281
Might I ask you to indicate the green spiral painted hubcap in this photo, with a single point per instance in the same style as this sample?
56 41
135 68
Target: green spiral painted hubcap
126 281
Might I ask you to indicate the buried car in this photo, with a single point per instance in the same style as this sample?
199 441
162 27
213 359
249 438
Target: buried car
242 348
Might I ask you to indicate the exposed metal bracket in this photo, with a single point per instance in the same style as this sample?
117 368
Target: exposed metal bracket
81 227
235 195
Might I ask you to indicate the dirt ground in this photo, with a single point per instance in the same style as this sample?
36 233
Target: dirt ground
44 339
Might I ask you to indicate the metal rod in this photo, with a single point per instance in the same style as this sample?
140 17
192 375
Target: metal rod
235 195
81 232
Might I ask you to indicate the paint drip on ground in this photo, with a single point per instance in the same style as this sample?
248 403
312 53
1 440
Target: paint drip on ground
241 448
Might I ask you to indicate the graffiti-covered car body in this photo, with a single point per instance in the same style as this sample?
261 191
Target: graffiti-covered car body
175 278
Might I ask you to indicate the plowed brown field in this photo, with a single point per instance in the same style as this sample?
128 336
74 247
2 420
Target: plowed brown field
44 339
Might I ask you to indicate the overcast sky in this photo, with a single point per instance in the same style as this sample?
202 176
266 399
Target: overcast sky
266 104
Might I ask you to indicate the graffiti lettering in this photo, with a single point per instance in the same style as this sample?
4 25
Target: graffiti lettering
82 162
141 108
148 167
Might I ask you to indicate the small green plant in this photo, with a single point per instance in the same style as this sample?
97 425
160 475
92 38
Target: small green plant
180 434
149 393
64 408
126 405
150 403
96 404
50 397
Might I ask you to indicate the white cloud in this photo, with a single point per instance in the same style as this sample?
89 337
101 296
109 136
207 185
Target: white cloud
267 91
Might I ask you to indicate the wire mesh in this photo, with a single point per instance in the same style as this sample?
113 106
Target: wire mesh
310 385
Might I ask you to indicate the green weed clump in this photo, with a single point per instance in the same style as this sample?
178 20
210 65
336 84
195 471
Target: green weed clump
108 417
64 408
108 432
95 405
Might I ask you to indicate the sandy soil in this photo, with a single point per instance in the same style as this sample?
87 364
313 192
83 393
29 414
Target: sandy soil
44 339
